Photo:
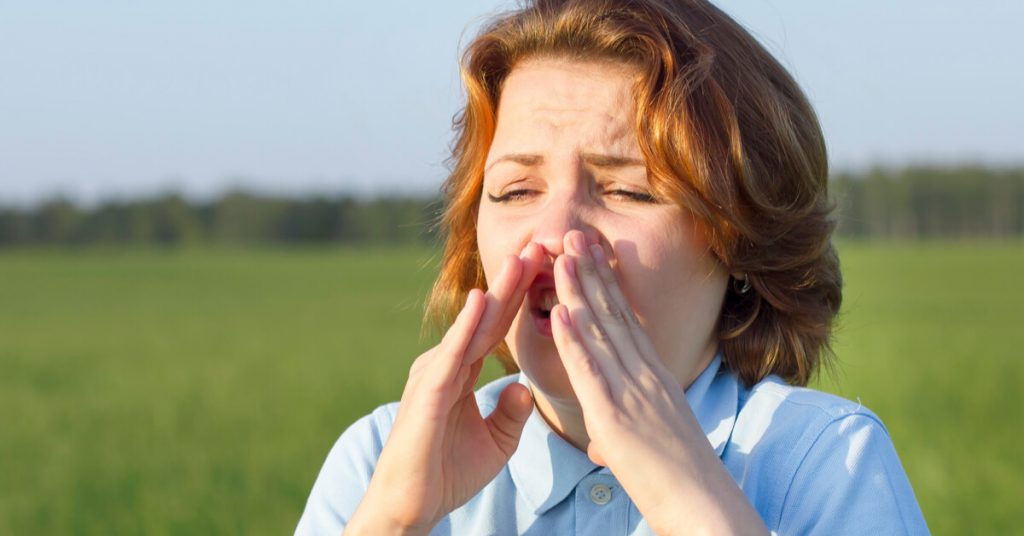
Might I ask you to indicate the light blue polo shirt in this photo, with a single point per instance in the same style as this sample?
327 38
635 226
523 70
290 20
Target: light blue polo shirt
809 463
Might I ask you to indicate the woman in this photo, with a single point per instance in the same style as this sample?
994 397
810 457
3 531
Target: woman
641 188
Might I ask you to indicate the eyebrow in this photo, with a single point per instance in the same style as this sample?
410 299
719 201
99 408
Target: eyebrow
519 158
594 159
611 161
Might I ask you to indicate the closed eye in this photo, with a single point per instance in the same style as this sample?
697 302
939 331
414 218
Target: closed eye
640 197
521 194
511 195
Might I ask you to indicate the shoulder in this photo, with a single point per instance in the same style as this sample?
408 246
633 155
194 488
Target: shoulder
346 473
779 420
818 462
772 394
774 413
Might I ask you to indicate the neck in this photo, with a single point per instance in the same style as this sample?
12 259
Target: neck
565 417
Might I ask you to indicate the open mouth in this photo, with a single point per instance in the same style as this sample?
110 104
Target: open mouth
547 301
541 299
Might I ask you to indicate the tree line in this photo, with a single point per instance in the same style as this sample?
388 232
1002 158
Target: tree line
235 218
909 203
931 202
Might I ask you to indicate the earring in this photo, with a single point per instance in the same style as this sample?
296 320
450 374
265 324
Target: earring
741 289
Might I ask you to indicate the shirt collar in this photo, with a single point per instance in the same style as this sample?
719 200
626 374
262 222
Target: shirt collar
713 397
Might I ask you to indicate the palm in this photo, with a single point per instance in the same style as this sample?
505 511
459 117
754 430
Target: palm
472 456
441 450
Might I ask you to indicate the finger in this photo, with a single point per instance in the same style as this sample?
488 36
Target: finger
504 300
499 293
427 361
512 301
641 342
612 318
593 334
472 374
611 284
507 420
449 352
585 373
587 331
431 395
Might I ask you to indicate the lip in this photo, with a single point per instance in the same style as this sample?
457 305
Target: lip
544 281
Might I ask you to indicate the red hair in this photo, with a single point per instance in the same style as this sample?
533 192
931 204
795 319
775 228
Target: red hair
726 133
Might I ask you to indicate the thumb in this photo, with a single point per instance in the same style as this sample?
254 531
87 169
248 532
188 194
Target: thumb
507 420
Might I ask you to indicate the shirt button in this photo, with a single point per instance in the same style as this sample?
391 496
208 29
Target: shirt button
600 494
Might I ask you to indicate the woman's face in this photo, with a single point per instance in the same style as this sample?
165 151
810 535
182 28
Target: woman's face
565 156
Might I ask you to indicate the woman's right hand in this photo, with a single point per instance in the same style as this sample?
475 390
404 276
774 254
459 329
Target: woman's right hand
441 451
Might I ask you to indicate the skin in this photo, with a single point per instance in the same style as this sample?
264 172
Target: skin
566 200
574 116
441 451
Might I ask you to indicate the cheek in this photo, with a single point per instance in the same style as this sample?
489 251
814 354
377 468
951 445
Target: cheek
485 246
642 270
667 275
496 238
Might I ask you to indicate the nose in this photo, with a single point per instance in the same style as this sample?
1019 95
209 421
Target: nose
561 215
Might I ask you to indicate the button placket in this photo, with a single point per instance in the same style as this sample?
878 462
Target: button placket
602 506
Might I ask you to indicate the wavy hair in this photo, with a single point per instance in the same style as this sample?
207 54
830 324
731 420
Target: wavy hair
726 133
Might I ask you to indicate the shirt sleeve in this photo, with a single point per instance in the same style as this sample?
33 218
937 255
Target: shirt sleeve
344 478
851 482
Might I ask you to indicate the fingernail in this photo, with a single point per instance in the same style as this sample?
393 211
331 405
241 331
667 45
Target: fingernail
577 242
570 265
597 252
522 254
563 315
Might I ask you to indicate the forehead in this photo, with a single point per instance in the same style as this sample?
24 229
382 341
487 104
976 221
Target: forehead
546 100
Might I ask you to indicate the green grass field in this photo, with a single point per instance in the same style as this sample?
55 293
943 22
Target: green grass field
147 391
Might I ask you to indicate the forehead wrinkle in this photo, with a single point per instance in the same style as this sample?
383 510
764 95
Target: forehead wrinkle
564 92
538 121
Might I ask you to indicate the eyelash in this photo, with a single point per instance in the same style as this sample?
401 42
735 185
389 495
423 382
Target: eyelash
516 195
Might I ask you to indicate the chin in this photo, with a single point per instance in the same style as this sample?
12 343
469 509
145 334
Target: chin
537 357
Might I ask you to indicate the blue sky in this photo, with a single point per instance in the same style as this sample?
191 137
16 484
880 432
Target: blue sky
124 98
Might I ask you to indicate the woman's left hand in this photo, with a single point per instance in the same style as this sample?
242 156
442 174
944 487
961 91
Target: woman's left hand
637 417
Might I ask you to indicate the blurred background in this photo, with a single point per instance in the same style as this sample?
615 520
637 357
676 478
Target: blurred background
215 243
